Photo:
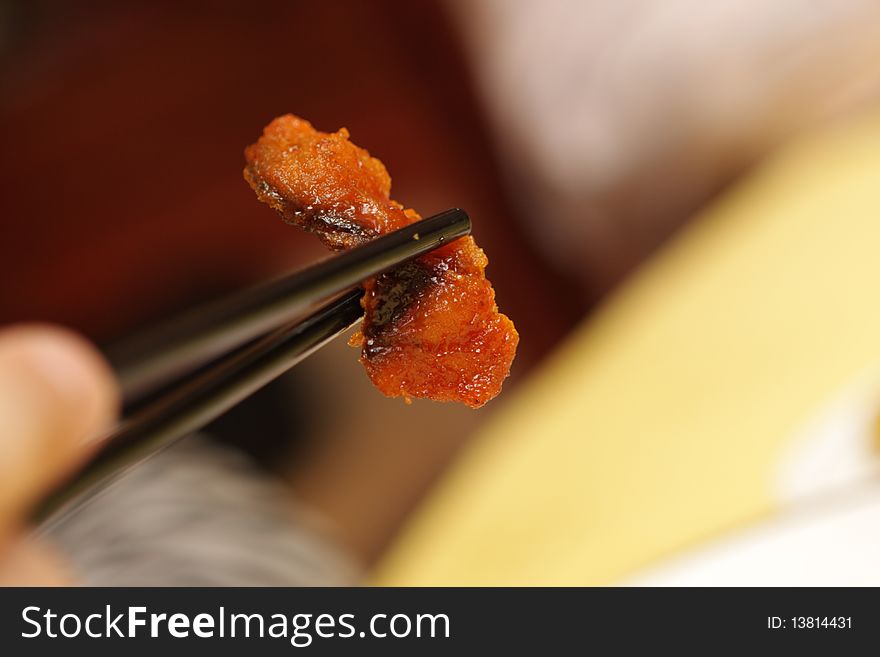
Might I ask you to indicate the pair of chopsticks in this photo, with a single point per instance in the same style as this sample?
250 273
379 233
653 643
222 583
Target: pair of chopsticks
193 368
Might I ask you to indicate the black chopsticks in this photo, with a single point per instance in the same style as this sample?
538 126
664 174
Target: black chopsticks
247 340
151 359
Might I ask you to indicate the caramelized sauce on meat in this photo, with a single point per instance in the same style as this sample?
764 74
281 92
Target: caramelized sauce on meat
431 327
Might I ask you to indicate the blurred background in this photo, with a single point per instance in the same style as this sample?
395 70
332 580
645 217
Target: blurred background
678 201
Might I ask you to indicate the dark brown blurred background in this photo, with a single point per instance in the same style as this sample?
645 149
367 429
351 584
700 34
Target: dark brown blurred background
123 128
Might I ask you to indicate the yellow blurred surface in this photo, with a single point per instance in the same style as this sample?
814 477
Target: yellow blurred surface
662 420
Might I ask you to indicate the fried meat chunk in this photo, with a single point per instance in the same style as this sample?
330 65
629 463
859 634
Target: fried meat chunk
431 327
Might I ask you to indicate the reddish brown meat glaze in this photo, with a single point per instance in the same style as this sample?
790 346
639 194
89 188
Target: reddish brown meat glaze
431 327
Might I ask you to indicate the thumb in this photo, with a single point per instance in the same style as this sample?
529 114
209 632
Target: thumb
55 393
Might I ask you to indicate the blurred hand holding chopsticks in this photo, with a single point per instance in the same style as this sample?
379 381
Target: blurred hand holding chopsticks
195 367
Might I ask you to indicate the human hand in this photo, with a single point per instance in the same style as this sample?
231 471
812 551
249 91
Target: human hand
56 392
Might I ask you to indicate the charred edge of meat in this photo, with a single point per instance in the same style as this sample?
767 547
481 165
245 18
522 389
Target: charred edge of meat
334 229
396 291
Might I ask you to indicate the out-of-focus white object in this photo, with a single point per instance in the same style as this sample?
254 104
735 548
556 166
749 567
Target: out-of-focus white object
618 118
829 535
837 450
832 543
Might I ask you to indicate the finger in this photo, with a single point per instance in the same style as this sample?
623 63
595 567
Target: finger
55 393
29 562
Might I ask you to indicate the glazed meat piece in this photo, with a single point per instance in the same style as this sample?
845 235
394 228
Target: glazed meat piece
323 183
431 327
